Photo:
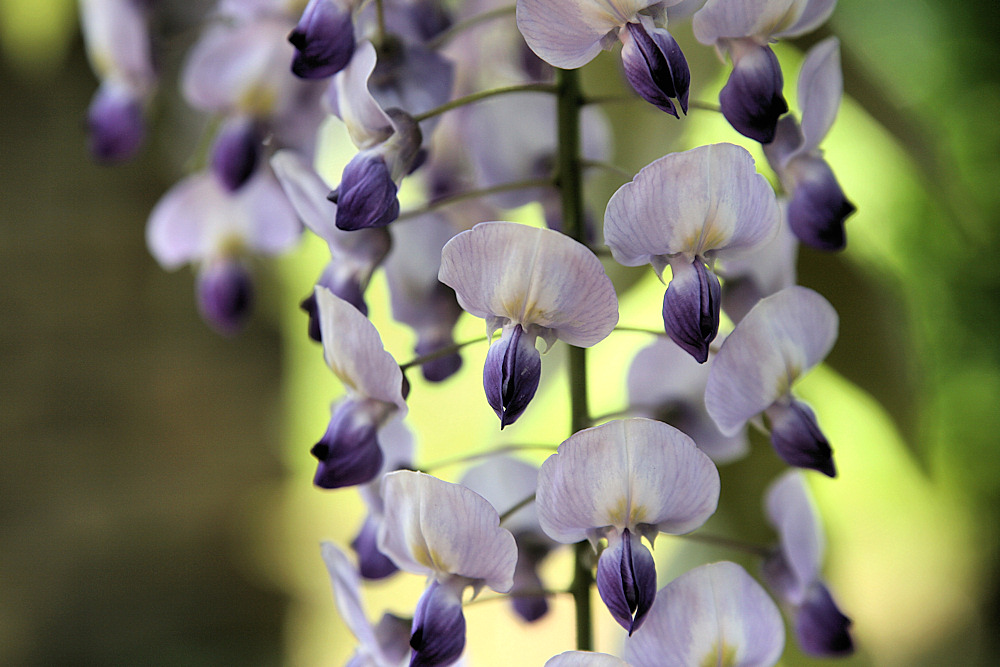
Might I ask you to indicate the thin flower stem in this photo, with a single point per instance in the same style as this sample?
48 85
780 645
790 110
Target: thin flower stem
485 94
379 23
611 415
435 204
607 166
618 99
654 332
443 352
528 592
728 543
523 503
453 31
466 458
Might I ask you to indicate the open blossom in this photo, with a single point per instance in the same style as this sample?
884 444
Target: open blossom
530 283
778 341
570 33
623 480
752 99
817 206
686 210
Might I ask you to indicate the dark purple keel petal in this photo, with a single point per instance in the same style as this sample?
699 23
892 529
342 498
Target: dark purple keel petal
115 125
656 67
323 40
818 208
442 368
797 438
752 100
344 285
822 629
367 194
372 563
438 636
511 374
236 152
225 295
691 308
779 576
626 580
348 452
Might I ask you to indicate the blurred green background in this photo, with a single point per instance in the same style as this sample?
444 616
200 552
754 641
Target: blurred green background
155 504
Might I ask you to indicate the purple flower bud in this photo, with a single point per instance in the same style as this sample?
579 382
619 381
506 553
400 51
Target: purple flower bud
530 551
372 563
348 452
511 374
822 629
236 152
797 438
818 207
655 66
323 40
691 307
438 636
115 124
225 295
626 580
367 194
751 100
442 368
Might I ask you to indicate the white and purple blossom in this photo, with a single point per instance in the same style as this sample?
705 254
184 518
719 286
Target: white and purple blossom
715 614
453 536
752 99
687 210
778 341
624 480
817 206
793 569
530 283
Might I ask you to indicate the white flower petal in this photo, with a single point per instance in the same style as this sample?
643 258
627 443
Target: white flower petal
347 594
821 85
811 14
625 474
585 659
724 19
790 509
350 100
505 482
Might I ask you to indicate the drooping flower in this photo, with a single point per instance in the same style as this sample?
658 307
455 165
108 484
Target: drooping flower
793 569
752 99
715 614
453 536
570 33
622 480
349 451
817 207
778 341
323 39
529 283
686 210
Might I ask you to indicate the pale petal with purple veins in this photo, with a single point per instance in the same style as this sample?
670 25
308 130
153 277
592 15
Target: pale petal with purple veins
723 19
700 202
821 86
552 285
585 659
634 473
347 594
792 512
350 100
778 341
439 529
353 350
505 482
716 614
811 15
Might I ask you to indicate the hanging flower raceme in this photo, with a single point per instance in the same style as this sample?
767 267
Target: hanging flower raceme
323 38
793 570
686 210
570 33
354 256
778 341
530 283
118 46
716 614
202 222
752 99
623 480
453 536
349 451
817 207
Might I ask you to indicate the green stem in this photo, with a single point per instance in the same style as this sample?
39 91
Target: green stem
437 354
474 194
446 36
485 94
523 503
379 23
466 458
719 541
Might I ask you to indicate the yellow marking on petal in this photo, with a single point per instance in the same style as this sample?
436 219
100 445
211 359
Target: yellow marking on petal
724 657
258 101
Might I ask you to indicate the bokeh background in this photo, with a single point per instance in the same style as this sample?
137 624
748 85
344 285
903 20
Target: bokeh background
155 504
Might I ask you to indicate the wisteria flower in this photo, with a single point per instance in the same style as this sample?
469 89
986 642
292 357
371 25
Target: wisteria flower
686 210
349 451
530 283
793 570
778 341
453 536
570 33
202 222
752 99
323 38
715 614
624 480
817 208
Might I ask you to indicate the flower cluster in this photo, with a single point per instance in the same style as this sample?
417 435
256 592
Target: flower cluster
477 107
